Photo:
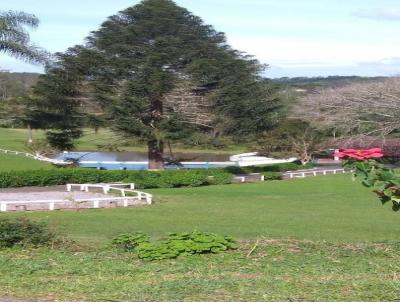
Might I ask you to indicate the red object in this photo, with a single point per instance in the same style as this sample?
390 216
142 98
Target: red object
360 154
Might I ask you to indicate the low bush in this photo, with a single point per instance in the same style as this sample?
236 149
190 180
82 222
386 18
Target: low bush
267 168
272 175
142 179
23 232
175 245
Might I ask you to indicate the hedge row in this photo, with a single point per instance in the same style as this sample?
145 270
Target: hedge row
267 168
142 179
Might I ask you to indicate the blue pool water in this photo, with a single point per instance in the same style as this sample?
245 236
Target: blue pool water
144 166
138 160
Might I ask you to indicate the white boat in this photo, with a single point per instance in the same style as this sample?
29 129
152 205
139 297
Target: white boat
252 159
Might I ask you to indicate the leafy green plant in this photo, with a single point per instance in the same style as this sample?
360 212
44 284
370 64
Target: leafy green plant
23 232
175 245
385 182
128 242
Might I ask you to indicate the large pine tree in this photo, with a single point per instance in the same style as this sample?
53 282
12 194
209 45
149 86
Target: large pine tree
138 56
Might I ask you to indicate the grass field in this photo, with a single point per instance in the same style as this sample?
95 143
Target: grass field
331 208
321 239
19 163
275 271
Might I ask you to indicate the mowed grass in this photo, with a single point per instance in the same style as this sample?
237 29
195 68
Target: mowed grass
314 239
274 271
331 208
20 163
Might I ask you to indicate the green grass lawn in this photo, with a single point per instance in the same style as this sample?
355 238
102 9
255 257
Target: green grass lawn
321 239
20 163
331 208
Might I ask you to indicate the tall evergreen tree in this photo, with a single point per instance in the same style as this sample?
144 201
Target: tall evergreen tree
138 56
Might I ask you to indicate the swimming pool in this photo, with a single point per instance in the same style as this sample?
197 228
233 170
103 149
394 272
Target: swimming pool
114 165
138 160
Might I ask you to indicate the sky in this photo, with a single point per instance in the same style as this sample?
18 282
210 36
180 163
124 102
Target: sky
294 37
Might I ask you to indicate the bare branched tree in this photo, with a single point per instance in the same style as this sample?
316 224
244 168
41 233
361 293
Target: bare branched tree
369 108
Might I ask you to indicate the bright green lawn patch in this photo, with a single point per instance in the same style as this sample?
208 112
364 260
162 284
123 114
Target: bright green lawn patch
331 208
275 271
20 163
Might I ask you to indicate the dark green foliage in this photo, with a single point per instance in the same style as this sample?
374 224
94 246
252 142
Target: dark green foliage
272 175
142 179
23 232
267 168
176 244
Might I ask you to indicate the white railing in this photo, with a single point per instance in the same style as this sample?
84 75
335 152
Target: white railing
37 157
302 174
107 187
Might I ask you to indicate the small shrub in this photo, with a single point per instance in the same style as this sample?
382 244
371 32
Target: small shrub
267 168
23 232
175 245
128 242
273 175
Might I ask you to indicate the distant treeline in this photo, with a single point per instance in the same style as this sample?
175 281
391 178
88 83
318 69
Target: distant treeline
330 81
16 84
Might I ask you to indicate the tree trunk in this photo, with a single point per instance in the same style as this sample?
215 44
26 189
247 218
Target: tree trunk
156 154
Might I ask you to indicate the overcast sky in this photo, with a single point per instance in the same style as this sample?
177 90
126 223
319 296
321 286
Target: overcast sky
295 37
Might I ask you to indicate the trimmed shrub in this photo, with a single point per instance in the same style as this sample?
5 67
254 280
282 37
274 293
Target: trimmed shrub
23 232
142 179
267 168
